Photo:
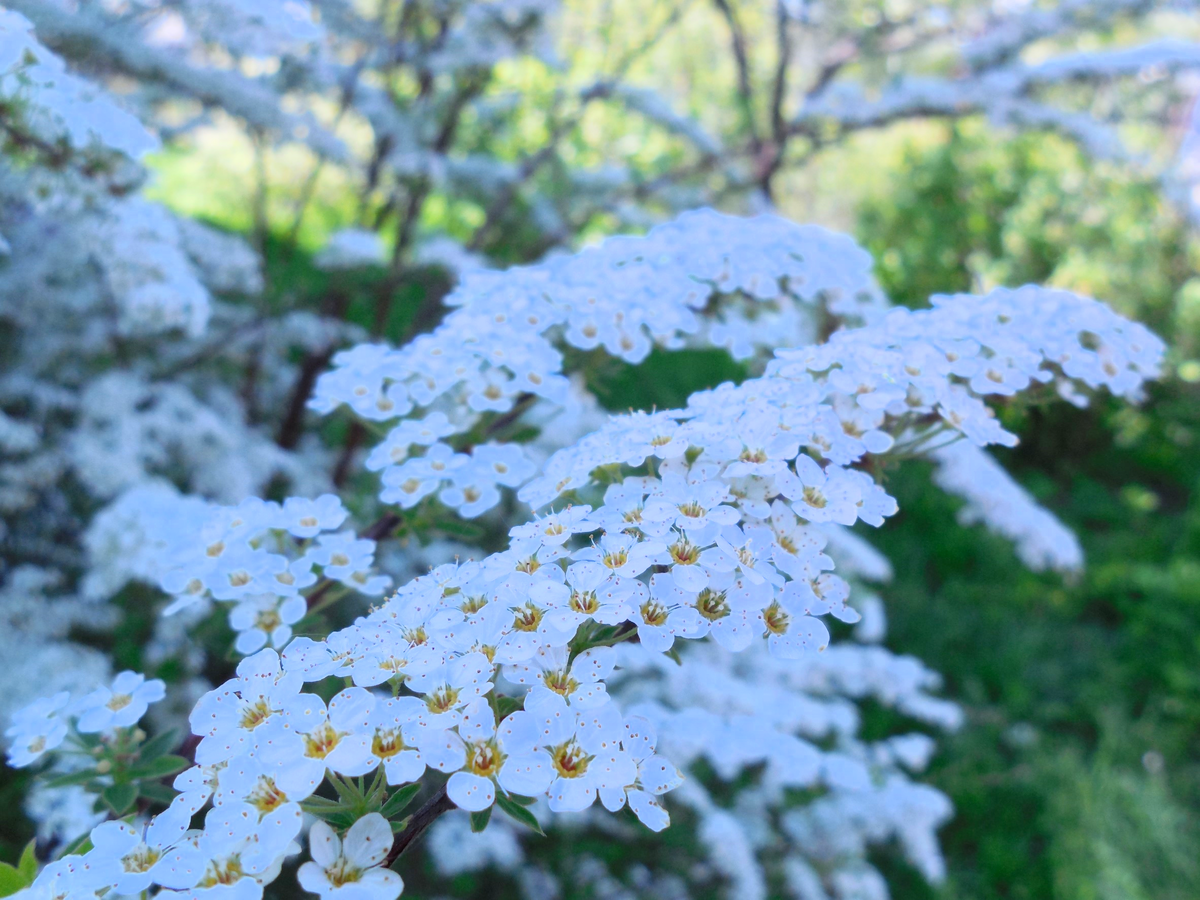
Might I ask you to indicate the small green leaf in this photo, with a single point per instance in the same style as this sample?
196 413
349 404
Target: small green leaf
479 820
673 653
79 846
400 800
506 706
81 777
317 805
346 790
157 746
523 801
512 808
159 793
120 797
11 880
28 865
159 767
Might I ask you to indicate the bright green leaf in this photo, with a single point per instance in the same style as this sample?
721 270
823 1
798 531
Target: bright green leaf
479 820
514 810
28 864
11 880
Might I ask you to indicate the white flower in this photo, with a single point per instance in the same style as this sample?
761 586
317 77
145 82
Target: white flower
265 619
304 518
351 868
120 705
655 776
134 857
311 738
585 751
577 681
36 729
506 754
228 717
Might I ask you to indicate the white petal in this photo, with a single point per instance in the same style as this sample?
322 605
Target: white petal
323 845
368 841
470 792
528 775
648 810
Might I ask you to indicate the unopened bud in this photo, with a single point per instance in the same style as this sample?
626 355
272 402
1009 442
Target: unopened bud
104 767
139 735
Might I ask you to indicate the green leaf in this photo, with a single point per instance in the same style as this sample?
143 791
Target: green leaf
81 777
159 793
159 767
512 808
673 653
79 846
523 801
400 800
120 797
11 880
158 745
506 706
317 805
480 819
346 790
28 865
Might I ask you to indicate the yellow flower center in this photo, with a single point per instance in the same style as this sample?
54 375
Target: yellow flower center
388 742
267 620
527 617
473 604
776 618
560 681
484 758
266 796
320 742
119 702
141 859
654 613
685 553
569 760
814 498
442 700
254 714
584 602
614 559
712 604
226 871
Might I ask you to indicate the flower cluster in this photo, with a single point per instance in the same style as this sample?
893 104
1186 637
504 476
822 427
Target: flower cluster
262 557
624 296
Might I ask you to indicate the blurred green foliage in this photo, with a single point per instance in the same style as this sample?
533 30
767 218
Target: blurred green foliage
1076 776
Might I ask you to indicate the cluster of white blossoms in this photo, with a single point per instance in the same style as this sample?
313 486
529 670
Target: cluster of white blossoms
57 104
670 527
703 279
270 561
43 725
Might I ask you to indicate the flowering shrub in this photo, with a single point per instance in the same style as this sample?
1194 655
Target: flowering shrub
655 611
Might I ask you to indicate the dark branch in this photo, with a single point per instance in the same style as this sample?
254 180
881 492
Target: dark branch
418 823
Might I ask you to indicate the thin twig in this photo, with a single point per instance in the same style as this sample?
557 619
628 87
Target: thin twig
418 823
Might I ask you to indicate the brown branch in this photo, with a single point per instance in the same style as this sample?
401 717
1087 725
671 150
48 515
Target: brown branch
418 823
292 425
741 58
